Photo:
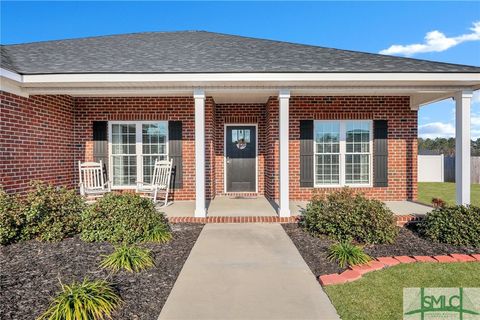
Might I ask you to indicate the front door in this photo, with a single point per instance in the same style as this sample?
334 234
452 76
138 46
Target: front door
241 158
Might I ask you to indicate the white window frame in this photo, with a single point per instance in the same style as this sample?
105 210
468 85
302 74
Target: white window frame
138 149
343 149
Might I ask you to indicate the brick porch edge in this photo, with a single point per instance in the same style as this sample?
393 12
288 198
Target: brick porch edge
355 272
401 220
257 219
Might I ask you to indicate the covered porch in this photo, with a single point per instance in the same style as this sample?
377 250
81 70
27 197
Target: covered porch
288 108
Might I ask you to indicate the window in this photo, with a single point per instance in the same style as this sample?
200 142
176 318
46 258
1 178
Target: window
327 152
134 147
343 153
357 152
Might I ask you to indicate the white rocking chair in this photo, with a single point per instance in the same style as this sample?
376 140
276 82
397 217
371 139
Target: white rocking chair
92 179
160 184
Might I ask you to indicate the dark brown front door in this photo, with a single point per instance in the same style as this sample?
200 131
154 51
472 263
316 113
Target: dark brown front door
241 158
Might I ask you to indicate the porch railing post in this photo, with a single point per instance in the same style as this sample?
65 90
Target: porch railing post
200 209
284 208
462 146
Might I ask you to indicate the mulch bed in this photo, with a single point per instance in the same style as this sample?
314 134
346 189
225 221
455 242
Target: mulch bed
409 243
30 274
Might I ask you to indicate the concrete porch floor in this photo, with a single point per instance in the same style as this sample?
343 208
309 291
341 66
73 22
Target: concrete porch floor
226 206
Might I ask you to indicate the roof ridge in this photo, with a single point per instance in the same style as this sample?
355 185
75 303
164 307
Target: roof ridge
101 36
344 50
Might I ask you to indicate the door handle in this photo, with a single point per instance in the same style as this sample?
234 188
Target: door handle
228 160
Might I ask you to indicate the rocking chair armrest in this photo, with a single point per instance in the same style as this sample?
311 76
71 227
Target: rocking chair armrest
141 184
107 185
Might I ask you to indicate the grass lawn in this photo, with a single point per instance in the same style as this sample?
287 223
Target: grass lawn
379 294
444 191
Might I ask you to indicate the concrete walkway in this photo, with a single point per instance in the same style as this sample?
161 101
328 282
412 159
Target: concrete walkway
246 271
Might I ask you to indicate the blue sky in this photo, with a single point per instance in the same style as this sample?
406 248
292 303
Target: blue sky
363 26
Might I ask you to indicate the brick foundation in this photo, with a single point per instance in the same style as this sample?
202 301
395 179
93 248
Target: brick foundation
43 137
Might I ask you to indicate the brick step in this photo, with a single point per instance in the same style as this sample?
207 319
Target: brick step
257 219
401 220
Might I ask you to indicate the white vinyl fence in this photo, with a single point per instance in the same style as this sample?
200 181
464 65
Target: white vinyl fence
431 168
437 168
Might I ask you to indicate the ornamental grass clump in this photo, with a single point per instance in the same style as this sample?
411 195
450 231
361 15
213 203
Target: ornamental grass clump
129 258
124 218
347 254
86 300
347 216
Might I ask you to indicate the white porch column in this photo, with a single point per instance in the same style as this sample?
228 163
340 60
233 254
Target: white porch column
283 205
199 96
462 146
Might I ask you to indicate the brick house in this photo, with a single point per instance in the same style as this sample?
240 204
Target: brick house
237 115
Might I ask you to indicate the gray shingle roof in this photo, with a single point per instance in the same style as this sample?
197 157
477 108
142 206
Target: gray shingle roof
199 52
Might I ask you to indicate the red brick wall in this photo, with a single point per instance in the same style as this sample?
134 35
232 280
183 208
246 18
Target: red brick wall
182 109
245 114
44 136
210 140
272 153
402 143
36 141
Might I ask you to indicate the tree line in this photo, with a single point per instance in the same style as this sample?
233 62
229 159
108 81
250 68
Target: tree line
446 145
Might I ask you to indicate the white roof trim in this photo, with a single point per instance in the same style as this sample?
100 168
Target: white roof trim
423 88
10 75
249 77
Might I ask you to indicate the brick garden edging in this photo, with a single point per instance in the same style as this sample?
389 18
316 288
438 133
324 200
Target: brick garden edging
401 220
355 272
257 219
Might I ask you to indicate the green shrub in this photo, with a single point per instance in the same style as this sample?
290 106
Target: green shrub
88 300
52 213
347 216
456 225
12 218
347 254
124 218
129 258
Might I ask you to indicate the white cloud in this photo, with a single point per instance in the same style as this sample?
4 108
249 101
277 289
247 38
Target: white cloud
436 129
435 41
476 96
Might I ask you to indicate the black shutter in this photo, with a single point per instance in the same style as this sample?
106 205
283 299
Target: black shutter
306 153
380 158
100 141
175 152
